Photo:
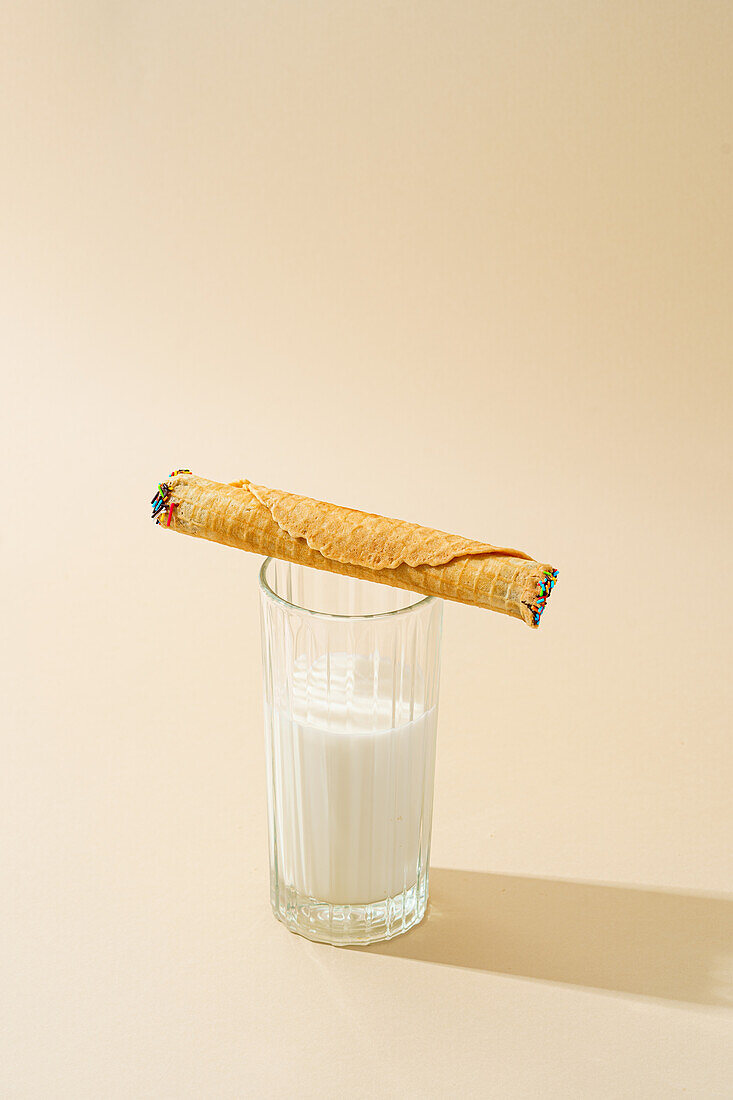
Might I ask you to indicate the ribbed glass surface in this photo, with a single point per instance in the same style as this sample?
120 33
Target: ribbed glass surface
351 673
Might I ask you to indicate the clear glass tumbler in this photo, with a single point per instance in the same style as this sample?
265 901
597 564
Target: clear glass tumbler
351 674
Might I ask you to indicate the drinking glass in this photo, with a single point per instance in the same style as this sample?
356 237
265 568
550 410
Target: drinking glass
351 674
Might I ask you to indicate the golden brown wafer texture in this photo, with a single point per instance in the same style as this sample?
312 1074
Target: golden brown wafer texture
357 544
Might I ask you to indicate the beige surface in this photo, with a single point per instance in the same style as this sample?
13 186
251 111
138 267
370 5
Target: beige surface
371 252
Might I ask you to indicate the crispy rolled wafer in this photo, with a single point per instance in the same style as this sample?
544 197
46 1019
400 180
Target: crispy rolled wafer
355 544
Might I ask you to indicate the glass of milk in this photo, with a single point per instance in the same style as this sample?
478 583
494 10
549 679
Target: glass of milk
351 672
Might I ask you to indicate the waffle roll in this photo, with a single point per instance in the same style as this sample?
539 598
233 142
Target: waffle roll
355 544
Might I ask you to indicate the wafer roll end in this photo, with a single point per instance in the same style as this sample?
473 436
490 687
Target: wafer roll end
537 592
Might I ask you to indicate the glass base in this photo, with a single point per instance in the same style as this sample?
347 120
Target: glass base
346 925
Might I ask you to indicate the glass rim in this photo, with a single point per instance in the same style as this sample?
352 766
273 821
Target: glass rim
267 591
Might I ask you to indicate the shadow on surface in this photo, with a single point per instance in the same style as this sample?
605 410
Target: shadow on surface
678 946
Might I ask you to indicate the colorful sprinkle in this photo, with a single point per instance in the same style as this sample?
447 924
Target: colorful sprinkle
545 584
162 498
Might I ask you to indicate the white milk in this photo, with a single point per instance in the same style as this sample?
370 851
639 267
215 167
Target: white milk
351 782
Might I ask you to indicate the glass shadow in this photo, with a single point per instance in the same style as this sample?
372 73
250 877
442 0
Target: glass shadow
655 943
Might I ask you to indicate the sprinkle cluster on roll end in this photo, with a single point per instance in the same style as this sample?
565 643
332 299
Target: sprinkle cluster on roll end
162 496
544 589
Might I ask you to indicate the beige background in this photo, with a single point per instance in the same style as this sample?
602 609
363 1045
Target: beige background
467 263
